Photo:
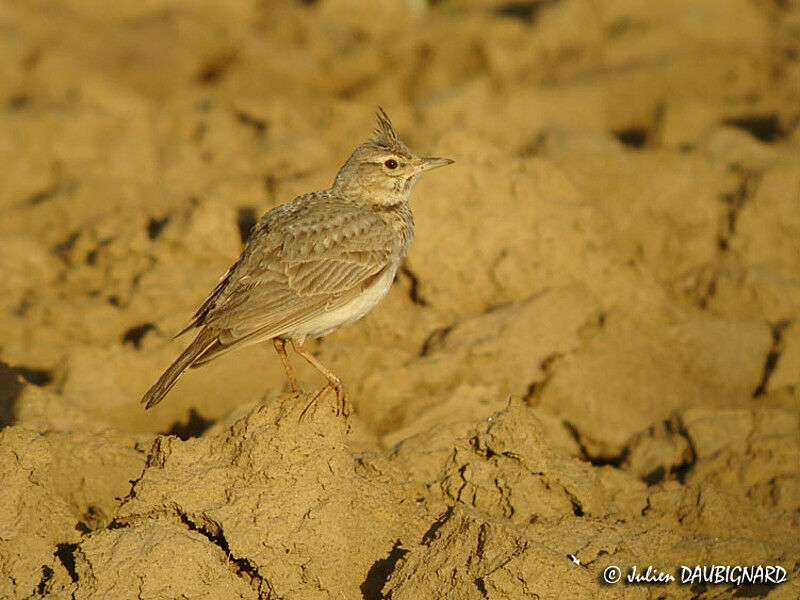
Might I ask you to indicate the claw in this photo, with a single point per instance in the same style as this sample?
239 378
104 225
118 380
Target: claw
316 397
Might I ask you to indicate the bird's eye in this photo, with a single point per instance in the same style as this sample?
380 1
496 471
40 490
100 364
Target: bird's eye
391 164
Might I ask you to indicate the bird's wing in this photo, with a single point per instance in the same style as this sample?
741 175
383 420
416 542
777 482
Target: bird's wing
304 264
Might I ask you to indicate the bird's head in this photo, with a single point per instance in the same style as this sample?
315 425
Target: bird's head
382 170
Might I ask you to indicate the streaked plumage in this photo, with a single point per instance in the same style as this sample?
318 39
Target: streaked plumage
313 264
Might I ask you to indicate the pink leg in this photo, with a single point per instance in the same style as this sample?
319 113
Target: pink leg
334 382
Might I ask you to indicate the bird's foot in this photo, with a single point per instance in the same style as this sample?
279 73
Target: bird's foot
291 394
340 407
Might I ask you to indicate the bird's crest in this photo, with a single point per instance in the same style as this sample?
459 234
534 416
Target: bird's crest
386 136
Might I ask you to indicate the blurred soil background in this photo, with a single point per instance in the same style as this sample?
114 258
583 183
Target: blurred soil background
593 348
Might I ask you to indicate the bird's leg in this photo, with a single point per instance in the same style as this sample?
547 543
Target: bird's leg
333 381
280 348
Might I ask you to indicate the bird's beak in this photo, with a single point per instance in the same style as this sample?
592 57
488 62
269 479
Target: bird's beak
429 163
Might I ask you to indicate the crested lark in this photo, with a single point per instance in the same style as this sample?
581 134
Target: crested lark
313 264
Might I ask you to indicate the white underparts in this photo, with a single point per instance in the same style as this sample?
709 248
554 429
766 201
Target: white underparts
349 313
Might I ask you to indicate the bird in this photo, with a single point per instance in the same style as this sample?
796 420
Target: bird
312 265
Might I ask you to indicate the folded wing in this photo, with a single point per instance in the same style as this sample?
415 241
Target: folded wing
284 280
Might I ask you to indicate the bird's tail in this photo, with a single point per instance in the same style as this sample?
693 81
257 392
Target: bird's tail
159 389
